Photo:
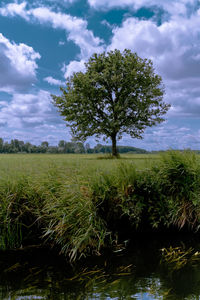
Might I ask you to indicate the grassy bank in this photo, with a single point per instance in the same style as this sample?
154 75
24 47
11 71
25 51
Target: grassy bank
80 204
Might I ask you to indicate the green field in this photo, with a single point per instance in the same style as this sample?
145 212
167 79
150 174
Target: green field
70 166
81 204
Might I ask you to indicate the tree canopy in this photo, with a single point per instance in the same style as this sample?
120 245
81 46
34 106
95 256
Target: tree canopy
118 93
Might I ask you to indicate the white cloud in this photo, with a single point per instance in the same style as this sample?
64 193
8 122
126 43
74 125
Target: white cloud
32 118
64 2
171 6
107 24
29 110
18 65
61 43
170 45
53 81
73 66
166 136
57 20
13 9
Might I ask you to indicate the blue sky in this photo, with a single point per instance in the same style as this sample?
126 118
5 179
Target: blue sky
44 41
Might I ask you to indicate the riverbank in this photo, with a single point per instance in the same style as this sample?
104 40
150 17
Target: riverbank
81 211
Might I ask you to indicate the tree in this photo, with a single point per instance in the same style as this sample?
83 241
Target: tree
1 145
79 148
45 144
87 148
119 93
27 147
61 144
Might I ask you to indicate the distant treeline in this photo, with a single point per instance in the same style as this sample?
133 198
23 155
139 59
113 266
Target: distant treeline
17 146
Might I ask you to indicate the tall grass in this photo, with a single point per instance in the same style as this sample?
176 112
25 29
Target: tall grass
20 203
165 195
71 222
80 205
180 179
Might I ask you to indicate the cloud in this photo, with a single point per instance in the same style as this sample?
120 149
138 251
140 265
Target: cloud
173 47
18 65
29 111
13 9
184 96
167 136
53 81
64 3
73 66
107 24
57 20
61 43
173 7
32 118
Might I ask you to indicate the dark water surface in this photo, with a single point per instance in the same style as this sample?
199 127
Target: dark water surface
134 273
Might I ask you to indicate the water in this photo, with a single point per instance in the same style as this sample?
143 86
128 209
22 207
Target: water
135 273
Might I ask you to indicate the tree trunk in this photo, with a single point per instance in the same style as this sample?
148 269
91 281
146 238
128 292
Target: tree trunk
114 145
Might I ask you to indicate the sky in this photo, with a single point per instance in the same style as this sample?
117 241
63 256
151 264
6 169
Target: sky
42 42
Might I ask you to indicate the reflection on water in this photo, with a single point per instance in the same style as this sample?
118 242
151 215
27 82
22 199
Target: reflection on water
136 273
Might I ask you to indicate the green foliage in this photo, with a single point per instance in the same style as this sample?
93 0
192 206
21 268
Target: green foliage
119 93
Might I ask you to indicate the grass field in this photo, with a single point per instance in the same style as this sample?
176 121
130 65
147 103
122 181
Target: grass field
69 167
83 203
70 164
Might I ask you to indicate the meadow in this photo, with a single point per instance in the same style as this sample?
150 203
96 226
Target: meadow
83 204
